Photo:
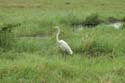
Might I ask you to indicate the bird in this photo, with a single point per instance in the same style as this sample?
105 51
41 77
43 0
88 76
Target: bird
62 44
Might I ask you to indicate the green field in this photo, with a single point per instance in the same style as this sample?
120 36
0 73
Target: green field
29 52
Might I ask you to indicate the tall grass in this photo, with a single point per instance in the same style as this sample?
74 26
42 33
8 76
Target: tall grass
6 39
30 58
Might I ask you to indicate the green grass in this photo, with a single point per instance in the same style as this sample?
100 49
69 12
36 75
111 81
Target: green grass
98 52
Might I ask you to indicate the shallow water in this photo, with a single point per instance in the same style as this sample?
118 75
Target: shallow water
116 25
78 28
36 36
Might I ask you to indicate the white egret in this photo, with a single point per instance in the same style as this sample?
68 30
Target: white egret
62 44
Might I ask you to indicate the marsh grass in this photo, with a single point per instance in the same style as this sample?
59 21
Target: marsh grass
123 26
98 52
40 60
6 39
92 44
92 20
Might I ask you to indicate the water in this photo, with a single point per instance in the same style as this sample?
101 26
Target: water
36 37
116 25
78 28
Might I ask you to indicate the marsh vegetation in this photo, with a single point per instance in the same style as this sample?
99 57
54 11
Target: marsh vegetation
28 49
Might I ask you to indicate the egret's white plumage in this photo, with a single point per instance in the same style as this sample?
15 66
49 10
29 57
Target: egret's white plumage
62 44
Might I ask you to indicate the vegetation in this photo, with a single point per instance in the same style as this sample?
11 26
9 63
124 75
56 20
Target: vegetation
6 38
28 49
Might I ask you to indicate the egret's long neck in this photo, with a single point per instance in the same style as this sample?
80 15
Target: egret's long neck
57 35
